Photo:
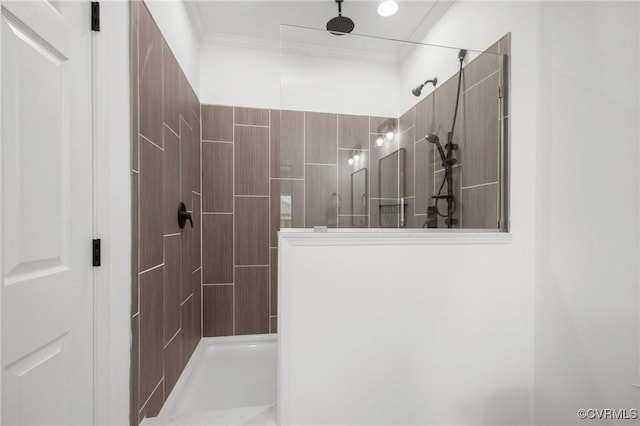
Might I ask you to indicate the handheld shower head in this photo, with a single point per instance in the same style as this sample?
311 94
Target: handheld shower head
418 90
432 138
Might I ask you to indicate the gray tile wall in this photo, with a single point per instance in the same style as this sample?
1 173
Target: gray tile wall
263 170
238 146
166 261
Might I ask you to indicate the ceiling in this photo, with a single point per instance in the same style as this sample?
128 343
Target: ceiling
258 22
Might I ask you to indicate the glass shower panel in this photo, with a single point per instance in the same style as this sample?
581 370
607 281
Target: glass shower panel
350 146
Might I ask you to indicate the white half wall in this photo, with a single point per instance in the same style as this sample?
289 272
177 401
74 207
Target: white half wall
175 25
393 328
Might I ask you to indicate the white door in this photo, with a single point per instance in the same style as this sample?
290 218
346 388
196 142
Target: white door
46 174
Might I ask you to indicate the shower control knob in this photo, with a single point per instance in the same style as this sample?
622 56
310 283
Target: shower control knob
183 216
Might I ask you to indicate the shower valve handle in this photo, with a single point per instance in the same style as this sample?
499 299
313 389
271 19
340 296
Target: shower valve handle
183 216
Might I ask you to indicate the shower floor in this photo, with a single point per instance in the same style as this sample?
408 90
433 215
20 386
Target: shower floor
228 381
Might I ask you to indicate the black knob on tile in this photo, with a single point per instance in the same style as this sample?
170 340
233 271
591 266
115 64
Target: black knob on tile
183 216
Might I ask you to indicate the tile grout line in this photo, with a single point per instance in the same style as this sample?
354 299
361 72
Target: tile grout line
304 169
209 141
201 227
186 300
185 122
168 127
233 238
172 337
151 142
321 164
337 170
136 380
150 395
250 125
482 81
163 186
269 222
152 268
479 185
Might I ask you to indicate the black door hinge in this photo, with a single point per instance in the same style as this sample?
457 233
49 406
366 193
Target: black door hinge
97 254
95 16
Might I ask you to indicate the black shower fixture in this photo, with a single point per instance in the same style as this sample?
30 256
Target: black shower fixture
448 161
340 25
418 90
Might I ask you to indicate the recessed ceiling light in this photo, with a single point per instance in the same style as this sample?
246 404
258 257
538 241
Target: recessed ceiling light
388 8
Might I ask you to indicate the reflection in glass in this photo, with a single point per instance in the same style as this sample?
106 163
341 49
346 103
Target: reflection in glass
359 197
392 188
285 211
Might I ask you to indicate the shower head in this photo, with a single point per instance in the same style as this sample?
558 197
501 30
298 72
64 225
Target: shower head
418 90
340 25
433 138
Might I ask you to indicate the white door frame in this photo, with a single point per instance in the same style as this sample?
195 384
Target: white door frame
112 214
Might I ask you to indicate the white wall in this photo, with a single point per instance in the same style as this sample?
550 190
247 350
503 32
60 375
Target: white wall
177 29
265 78
407 329
587 292
465 25
239 76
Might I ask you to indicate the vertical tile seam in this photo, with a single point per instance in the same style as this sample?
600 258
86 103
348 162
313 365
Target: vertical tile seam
337 187
137 142
269 221
201 227
233 238
370 167
304 167
164 201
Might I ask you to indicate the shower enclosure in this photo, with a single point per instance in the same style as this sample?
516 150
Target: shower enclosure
389 324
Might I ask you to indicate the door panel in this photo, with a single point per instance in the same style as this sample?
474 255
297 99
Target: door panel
47 294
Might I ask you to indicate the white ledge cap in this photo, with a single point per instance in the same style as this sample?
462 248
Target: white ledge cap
307 237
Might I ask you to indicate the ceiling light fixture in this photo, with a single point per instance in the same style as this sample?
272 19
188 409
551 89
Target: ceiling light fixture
387 8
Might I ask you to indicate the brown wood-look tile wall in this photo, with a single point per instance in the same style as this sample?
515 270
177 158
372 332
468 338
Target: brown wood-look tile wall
287 144
217 123
217 177
321 134
251 155
166 272
217 316
252 231
252 300
217 248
